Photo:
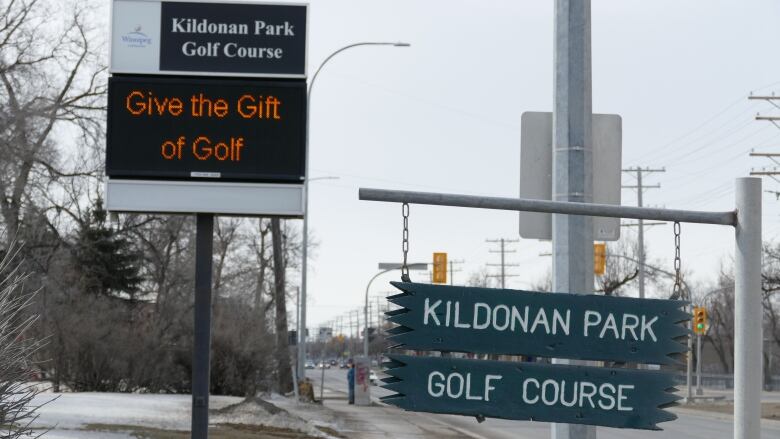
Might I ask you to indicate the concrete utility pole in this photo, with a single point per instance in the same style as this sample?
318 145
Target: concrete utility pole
502 249
572 236
640 188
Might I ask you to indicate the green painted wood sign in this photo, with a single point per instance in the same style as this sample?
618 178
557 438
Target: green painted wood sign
622 398
513 322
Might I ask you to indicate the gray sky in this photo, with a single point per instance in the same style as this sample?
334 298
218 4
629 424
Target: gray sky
444 115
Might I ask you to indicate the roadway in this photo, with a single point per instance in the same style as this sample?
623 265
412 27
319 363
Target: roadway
690 424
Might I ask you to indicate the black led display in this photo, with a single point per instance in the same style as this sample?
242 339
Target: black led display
196 128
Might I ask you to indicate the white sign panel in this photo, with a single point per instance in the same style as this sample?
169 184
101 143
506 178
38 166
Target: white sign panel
226 198
536 172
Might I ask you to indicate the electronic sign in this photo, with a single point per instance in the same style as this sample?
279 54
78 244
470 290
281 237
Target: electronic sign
206 129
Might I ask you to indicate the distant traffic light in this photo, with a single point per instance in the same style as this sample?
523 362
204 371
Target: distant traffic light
699 320
599 258
440 268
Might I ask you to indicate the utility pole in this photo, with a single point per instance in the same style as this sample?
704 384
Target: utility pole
453 270
640 188
502 249
572 236
774 172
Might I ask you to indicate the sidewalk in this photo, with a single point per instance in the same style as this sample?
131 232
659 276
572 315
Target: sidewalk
376 421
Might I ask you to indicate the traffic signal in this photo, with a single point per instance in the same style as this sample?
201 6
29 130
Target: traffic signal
371 333
292 337
599 258
699 320
440 268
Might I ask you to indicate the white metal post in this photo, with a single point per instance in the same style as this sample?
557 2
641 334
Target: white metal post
748 361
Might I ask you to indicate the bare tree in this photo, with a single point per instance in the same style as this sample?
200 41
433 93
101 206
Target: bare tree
17 349
50 74
481 278
284 373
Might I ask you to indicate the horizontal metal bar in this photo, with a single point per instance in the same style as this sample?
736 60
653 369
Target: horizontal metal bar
563 207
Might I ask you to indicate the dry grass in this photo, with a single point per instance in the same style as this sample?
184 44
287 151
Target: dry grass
220 431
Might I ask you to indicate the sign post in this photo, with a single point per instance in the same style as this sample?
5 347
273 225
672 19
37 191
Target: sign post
199 122
746 220
362 381
201 345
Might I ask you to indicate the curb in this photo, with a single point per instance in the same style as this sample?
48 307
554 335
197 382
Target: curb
719 416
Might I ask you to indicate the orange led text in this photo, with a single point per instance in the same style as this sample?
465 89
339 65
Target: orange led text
140 103
203 148
259 107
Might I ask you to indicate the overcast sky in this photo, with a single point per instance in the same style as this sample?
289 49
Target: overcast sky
444 115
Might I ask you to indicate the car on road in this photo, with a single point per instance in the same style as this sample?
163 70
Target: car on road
309 365
323 365
373 378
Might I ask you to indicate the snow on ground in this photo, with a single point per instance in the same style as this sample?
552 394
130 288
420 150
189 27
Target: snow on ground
268 411
66 413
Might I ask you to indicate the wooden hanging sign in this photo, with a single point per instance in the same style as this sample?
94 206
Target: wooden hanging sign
513 322
622 398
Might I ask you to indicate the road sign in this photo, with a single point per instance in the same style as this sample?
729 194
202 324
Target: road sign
536 172
599 258
440 268
206 129
513 322
201 38
622 398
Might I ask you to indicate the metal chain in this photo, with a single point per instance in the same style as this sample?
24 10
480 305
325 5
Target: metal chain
405 243
677 289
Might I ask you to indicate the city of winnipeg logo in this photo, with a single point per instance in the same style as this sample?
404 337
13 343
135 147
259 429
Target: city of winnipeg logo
136 38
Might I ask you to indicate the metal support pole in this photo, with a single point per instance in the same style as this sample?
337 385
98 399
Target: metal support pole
365 331
561 207
689 365
748 361
299 337
204 239
572 236
699 391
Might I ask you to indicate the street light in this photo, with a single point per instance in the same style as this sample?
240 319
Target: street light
385 267
304 255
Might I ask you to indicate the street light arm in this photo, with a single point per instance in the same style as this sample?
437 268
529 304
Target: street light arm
349 46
